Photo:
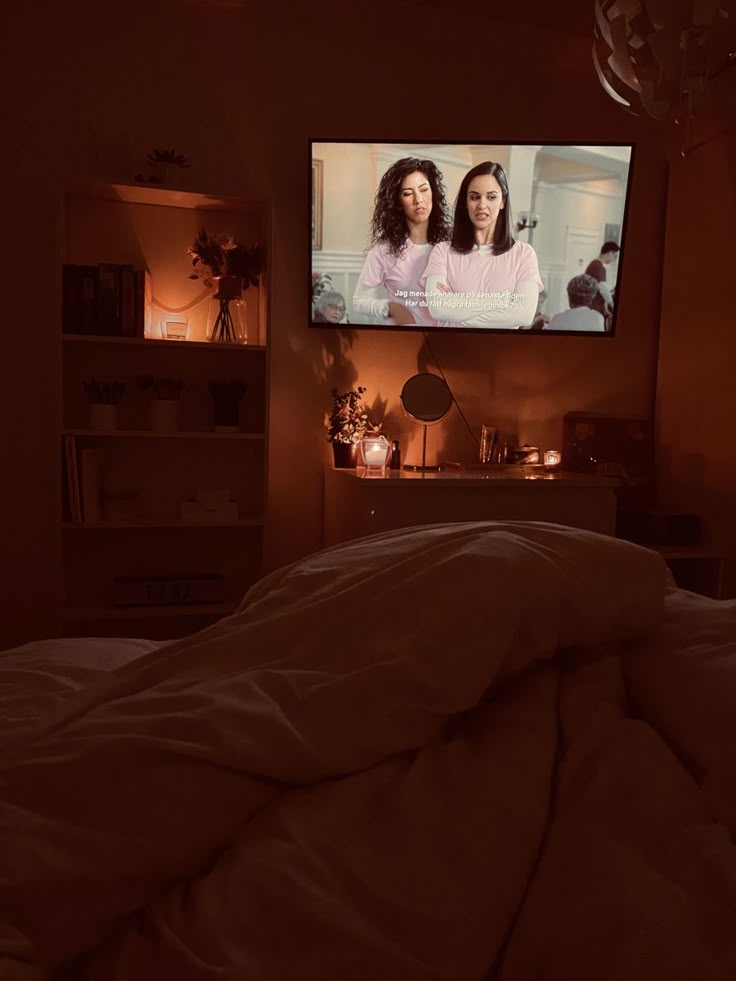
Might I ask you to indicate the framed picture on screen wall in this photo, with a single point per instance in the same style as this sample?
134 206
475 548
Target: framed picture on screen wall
317 179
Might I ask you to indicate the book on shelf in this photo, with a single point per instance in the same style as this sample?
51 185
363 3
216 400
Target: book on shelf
71 479
127 305
107 300
174 590
79 299
90 483
143 303
66 504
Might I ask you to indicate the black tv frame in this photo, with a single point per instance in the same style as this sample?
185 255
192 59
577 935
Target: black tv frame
480 332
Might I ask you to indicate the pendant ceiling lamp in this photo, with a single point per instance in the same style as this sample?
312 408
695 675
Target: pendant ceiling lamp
657 56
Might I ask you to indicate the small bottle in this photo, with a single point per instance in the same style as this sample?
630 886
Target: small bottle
395 463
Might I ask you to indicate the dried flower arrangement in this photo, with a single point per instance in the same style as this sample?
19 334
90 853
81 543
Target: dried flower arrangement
160 388
221 255
232 267
104 392
321 283
348 419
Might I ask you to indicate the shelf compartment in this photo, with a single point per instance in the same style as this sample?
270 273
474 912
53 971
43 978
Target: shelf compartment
151 342
149 612
148 523
161 195
156 434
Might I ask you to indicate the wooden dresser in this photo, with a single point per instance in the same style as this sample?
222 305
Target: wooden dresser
358 504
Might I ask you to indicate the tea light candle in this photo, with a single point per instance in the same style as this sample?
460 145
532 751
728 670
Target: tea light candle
552 458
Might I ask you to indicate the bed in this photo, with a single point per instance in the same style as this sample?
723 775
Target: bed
462 752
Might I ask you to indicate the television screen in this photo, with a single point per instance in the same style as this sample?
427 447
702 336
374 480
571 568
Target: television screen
472 237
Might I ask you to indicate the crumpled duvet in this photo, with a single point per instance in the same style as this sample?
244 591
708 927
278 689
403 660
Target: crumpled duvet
498 750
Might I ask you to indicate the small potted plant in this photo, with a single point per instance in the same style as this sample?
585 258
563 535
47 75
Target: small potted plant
165 394
161 162
226 396
230 268
347 424
103 398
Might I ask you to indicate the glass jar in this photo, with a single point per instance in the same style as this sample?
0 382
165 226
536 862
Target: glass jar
374 452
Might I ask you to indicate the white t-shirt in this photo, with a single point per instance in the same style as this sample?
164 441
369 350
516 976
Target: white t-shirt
399 276
576 318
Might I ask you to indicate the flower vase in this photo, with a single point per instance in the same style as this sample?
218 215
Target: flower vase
345 455
227 321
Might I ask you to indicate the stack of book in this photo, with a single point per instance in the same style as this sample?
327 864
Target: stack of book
107 300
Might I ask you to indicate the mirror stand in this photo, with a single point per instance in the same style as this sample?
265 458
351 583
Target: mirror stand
423 467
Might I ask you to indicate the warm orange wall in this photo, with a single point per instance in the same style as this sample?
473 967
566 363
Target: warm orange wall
240 94
696 399
489 85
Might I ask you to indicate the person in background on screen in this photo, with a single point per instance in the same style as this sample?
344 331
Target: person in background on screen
483 277
603 302
540 319
409 217
329 308
321 282
581 292
597 268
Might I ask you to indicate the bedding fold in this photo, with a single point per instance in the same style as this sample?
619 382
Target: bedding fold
366 760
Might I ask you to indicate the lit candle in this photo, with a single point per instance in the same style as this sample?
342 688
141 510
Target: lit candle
552 458
375 456
375 451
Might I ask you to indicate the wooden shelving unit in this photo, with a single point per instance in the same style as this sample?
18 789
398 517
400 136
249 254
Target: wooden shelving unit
150 342
165 522
150 228
151 434
697 569
123 613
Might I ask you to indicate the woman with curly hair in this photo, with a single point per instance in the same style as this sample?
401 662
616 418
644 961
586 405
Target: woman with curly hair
409 217
483 277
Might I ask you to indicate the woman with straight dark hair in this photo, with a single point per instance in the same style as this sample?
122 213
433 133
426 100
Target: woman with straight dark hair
409 217
483 277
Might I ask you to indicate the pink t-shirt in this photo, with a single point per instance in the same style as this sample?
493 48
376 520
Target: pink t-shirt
480 272
400 275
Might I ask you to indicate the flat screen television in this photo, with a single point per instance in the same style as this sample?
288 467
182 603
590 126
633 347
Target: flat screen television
511 237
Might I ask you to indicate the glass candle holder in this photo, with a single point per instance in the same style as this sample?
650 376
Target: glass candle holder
552 459
174 330
487 443
374 452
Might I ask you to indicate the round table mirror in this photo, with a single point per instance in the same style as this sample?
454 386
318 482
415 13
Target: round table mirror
427 399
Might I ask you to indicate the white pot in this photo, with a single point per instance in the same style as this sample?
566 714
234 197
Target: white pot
165 415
